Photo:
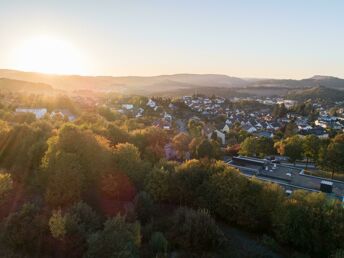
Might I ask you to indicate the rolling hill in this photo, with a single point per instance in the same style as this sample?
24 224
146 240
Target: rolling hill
18 85
166 83
316 93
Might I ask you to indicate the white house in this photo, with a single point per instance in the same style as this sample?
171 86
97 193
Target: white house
63 113
220 135
151 103
38 112
128 106
225 128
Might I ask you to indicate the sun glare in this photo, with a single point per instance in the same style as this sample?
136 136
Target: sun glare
48 55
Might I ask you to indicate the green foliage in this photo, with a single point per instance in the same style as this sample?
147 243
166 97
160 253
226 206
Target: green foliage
158 243
189 183
239 200
208 149
65 181
157 184
23 230
195 231
181 144
144 207
22 148
69 164
195 127
117 239
249 147
108 114
127 159
57 224
118 186
6 184
319 93
291 147
311 145
308 221
279 110
117 135
82 220
338 254
150 142
331 157
290 129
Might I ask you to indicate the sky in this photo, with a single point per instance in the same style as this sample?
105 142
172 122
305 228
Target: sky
267 39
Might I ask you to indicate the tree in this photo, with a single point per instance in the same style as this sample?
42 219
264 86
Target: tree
311 145
332 157
150 142
82 220
144 207
158 243
195 127
279 110
118 186
69 166
290 129
291 147
65 183
306 221
253 146
205 149
195 231
22 149
117 135
226 191
117 239
127 160
181 144
265 147
249 147
157 184
6 184
23 230
189 182
57 224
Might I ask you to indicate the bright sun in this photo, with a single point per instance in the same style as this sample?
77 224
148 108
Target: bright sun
48 55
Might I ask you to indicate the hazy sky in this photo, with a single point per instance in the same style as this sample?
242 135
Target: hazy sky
257 38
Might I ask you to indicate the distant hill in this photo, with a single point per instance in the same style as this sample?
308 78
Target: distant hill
315 81
316 93
166 83
149 83
17 85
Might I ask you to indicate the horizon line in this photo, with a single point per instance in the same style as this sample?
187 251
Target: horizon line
171 74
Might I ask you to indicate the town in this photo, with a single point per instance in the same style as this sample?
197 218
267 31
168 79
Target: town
237 125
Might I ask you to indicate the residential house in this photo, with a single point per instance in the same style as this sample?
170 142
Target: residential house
38 112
